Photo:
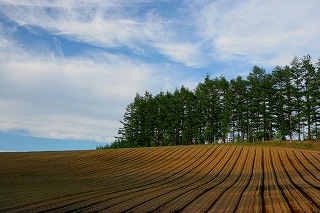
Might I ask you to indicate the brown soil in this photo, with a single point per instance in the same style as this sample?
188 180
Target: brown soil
164 179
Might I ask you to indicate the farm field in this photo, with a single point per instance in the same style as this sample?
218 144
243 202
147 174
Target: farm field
209 178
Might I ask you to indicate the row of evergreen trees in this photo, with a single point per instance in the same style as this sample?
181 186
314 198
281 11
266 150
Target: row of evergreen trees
282 105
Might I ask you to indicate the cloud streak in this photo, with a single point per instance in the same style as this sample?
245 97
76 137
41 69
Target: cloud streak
113 24
267 33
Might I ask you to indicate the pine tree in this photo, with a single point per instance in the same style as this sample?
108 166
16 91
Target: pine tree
298 90
224 108
238 103
309 85
208 100
283 102
268 107
256 103
316 101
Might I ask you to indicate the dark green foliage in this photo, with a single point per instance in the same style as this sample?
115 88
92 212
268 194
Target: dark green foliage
281 105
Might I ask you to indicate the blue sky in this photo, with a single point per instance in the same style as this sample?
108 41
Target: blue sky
69 68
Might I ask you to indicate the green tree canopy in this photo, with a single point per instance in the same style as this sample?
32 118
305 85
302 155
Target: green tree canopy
283 104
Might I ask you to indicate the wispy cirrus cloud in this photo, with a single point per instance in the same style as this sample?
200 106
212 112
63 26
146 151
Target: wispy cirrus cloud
111 24
267 33
89 22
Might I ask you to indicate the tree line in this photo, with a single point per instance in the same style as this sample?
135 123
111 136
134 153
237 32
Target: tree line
283 105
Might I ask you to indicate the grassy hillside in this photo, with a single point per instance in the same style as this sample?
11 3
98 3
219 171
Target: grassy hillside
187 178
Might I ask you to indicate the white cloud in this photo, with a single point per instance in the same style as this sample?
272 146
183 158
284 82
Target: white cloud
261 32
255 32
73 98
69 98
106 24
81 97
84 22
187 53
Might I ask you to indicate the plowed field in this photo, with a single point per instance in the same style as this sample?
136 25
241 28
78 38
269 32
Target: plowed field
220 178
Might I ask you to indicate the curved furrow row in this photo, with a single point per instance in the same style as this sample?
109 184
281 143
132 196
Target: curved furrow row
124 177
203 193
168 168
158 160
161 188
229 200
296 200
170 188
236 182
171 175
62 172
143 163
311 159
307 169
28 174
186 183
251 198
316 155
162 166
51 164
121 164
274 201
80 198
283 183
302 182
70 203
50 167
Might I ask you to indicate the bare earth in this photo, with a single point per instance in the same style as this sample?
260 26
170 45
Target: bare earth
220 178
